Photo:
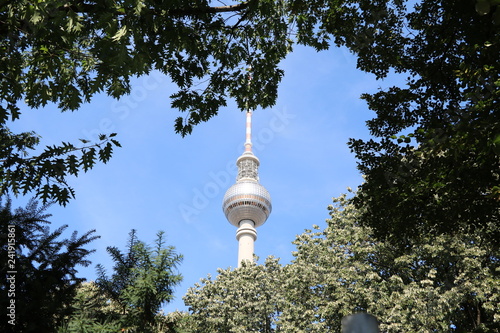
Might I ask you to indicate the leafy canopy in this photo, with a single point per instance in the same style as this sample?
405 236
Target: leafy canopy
433 163
66 52
431 166
249 298
444 283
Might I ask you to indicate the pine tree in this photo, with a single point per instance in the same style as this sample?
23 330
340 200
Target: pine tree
143 280
45 266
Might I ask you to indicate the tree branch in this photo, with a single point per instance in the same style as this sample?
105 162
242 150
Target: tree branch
211 10
188 11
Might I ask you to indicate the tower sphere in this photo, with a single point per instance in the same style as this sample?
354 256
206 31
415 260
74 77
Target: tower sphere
247 200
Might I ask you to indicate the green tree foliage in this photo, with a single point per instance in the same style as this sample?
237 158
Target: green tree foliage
447 284
429 286
46 173
248 299
143 280
93 311
433 164
64 53
45 266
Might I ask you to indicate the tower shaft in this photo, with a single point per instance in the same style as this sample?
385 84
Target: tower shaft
246 236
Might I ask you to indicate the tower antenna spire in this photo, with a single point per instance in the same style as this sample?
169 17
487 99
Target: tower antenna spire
248 139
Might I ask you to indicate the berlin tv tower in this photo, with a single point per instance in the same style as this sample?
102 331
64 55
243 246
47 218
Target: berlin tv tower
247 204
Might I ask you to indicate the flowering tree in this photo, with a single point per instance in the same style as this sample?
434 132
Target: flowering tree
442 284
248 299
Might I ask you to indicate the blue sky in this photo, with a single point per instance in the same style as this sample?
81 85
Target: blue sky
160 181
